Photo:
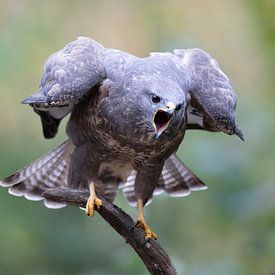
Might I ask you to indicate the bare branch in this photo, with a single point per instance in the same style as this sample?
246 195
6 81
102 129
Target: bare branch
151 253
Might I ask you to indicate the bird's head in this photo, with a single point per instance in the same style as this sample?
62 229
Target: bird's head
166 113
157 106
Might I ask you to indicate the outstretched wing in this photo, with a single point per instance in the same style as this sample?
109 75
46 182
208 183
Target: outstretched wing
213 101
68 75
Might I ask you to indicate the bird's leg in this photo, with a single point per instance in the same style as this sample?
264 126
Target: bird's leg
149 234
92 201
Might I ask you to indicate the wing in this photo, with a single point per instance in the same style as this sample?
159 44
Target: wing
213 101
116 64
68 76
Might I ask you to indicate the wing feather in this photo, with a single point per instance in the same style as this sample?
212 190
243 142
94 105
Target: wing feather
70 73
212 96
68 76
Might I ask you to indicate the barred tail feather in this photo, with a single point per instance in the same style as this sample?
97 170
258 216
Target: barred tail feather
49 171
176 180
128 189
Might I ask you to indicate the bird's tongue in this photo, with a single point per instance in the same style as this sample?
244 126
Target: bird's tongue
161 121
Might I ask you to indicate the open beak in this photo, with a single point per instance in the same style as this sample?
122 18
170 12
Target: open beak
162 117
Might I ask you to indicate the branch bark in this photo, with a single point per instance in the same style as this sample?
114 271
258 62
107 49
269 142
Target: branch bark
151 253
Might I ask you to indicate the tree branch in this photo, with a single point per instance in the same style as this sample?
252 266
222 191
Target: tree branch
151 253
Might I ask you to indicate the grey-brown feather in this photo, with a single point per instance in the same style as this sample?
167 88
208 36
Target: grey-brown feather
211 92
176 180
108 93
49 171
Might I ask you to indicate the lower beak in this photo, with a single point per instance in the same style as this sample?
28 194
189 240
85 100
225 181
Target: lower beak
162 118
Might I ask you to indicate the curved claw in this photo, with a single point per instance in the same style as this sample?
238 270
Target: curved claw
149 234
90 206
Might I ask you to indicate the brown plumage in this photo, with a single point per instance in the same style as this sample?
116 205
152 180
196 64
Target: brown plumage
128 118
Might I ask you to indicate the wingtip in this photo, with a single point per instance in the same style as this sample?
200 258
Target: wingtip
35 98
239 133
25 101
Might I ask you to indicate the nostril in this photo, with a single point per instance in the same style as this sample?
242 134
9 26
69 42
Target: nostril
170 105
178 107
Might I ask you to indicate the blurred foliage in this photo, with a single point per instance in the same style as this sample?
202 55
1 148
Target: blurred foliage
228 229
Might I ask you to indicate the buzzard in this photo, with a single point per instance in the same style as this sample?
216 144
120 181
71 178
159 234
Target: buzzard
128 116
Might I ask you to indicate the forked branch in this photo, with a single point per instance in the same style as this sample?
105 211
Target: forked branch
151 253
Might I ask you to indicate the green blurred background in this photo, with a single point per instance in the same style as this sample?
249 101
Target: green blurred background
228 229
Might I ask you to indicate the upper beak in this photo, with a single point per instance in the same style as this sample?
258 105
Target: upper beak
162 118
170 106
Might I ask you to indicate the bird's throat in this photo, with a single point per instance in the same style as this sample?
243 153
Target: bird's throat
161 121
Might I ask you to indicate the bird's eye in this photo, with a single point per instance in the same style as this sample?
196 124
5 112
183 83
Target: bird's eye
155 99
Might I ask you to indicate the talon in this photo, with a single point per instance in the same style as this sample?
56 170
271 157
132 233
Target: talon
98 202
149 234
92 201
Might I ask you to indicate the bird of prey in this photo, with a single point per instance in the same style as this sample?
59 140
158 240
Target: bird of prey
128 116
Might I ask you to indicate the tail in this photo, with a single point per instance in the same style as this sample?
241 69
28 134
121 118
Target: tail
176 180
49 171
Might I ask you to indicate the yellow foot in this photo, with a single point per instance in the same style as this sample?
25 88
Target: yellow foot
90 206
149 234
92 201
